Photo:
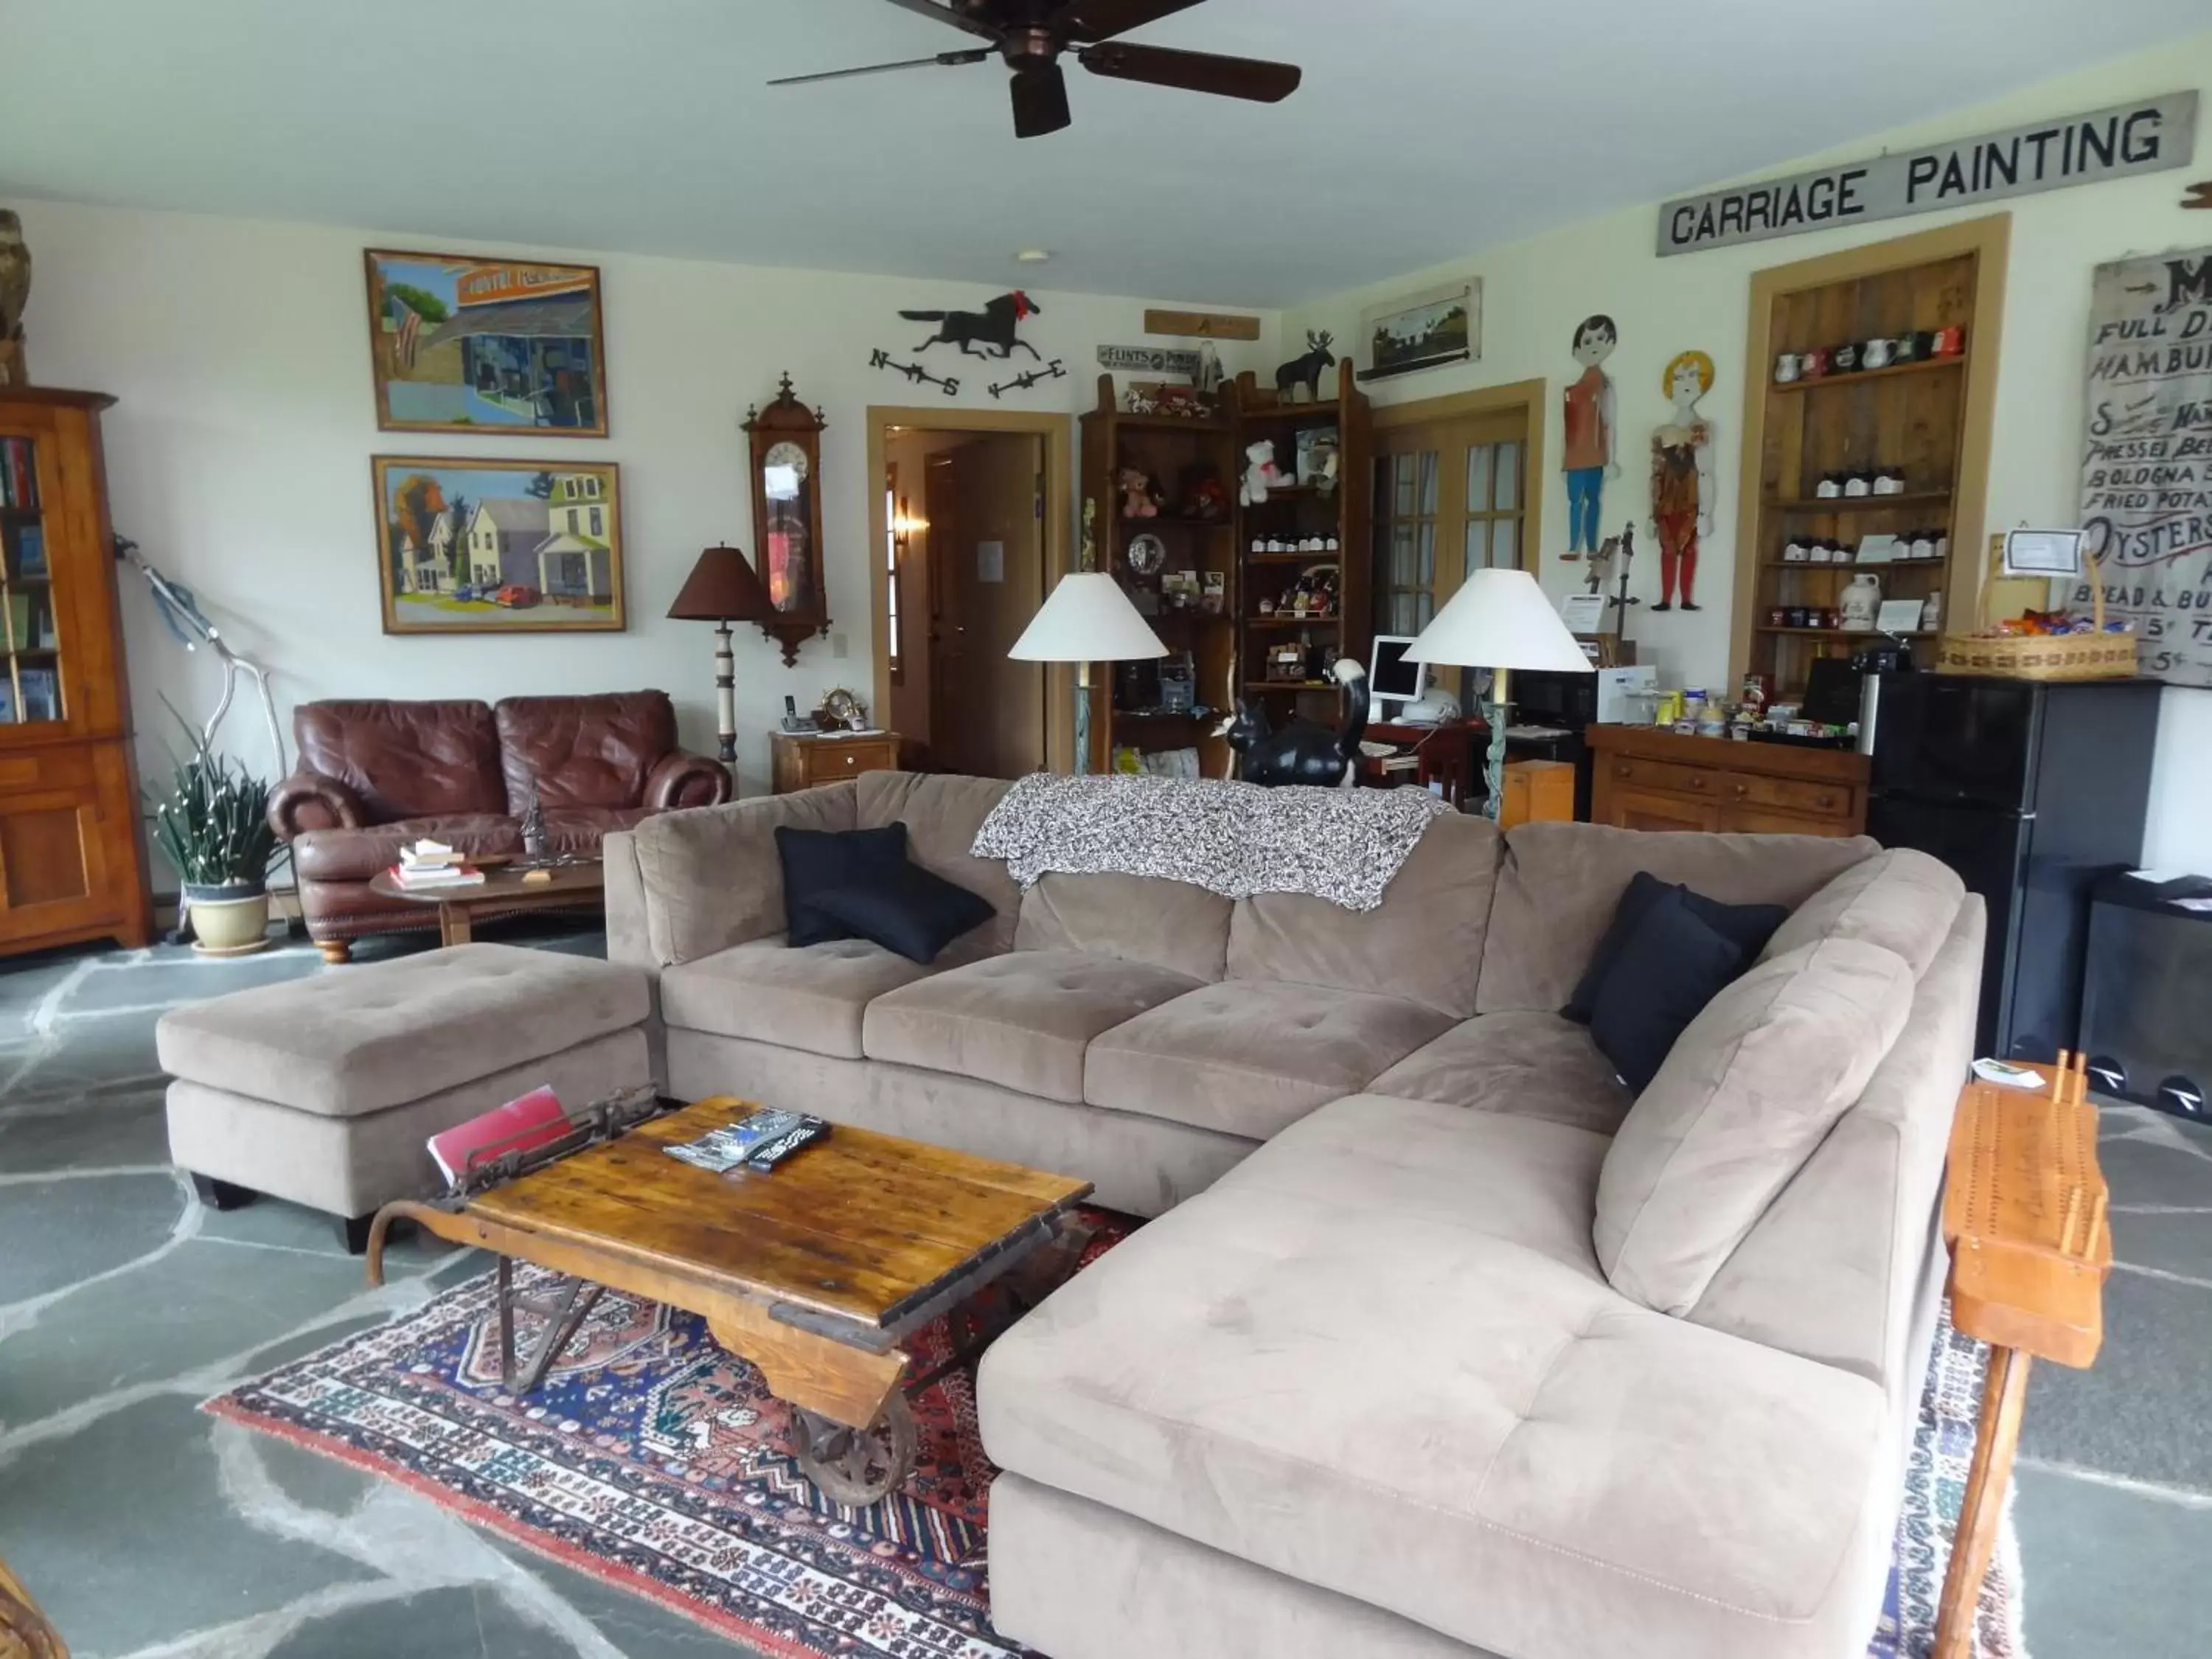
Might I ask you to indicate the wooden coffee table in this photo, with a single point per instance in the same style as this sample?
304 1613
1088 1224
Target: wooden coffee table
505 889
816 1272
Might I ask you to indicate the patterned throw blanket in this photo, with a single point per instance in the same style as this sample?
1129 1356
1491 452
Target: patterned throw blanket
1234 839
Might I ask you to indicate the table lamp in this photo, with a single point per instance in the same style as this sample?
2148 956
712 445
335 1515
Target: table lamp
722 588
1087 618
1498 620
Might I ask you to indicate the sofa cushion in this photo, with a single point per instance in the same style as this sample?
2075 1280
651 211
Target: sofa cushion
712 878
1524 1064
357 855
1252 1056
375 1036
1169 924
1376 1356
809 997
942 815
582 750
1748 926
816 860
1672 963
1559 885
1747 1094
1901 900
1422 944
1022 1020
405 759
906 909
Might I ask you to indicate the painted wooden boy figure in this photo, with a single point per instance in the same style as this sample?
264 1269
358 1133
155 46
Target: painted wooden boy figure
1591 423
1682 478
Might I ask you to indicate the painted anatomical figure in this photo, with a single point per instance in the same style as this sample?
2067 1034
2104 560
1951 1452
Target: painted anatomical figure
1682 479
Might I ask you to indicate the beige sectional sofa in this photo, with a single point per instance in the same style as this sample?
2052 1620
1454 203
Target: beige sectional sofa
1371 1384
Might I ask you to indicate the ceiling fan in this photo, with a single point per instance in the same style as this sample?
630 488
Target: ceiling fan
1032 36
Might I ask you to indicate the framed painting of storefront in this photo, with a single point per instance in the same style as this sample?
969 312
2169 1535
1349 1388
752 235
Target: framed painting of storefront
498 547
462 343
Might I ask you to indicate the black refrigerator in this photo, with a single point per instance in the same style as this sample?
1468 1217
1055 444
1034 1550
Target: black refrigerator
2032 791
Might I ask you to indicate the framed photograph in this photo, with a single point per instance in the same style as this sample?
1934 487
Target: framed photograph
498 547
1438 325
461 343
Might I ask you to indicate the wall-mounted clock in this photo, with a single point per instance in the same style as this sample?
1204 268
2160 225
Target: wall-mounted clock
786 479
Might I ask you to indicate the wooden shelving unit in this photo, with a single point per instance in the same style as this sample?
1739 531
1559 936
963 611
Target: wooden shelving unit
1175 452
1297 512
1929 417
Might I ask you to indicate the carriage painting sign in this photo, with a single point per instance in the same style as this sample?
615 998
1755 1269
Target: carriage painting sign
2147 457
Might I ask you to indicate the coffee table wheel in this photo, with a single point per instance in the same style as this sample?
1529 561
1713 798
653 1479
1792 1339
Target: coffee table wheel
858 1467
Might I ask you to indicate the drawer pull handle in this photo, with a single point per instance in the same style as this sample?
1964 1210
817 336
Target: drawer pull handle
1741 790
1623 769
851 760
1826 803
1697 783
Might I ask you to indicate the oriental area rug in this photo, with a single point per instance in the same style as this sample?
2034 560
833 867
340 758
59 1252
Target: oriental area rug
653 1460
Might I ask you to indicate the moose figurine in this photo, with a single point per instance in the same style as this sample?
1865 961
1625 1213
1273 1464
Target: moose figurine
1306 371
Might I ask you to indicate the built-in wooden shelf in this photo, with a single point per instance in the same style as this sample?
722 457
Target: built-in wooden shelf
1857 503
1860 377
1848 633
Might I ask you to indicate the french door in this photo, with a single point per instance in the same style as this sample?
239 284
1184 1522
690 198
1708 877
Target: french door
1450 496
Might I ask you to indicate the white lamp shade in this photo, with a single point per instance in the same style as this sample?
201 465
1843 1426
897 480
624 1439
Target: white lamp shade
1500 619
1087 618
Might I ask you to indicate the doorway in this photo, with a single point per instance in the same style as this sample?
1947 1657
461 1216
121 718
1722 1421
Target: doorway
1456 489
965 530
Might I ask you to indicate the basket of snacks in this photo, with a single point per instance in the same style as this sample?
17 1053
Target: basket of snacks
2043 645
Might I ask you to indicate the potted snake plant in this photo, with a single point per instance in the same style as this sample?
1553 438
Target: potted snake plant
214 827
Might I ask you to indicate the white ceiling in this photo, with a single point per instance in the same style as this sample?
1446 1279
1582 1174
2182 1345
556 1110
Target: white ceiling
1425 128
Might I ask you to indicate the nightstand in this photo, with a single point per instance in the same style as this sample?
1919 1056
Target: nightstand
804 760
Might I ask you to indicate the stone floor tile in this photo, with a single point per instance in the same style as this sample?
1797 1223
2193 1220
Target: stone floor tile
53 1134
93 1054
191 980
2110 1574
25 984
2178 1242
2144 1410
124 1533
56 1232
273 1222
2141 1170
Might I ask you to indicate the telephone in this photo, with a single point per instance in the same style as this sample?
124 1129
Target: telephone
793 720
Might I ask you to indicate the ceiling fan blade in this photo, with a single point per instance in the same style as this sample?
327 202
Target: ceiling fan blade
976 57
1040 101
947 15
1194 71
1102 20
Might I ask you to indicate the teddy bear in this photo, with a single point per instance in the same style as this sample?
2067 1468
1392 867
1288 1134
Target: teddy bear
1136 500
1260 473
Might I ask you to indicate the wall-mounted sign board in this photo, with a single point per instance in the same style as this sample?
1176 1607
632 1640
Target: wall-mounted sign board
1202 325
2148 135
1150 359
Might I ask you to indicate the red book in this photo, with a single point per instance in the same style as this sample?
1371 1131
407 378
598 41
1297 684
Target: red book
517 1125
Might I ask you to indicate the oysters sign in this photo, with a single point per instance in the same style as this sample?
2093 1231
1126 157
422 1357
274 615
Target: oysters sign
2147 136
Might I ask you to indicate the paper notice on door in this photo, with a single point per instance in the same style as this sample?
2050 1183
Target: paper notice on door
990 562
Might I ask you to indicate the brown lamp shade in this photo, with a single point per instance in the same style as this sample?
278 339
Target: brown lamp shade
722 587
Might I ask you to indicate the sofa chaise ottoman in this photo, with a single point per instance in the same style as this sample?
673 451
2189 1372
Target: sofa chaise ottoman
325 1090
1393 1374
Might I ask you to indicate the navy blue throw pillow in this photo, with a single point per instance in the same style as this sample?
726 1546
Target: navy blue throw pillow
906 909
1672 963
1747 926
818 860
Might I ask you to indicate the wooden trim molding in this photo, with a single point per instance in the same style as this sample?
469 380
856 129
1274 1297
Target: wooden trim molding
1058 433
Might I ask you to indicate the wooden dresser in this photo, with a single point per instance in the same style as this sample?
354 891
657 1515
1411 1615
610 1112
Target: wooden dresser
72 849
1642 778
803 761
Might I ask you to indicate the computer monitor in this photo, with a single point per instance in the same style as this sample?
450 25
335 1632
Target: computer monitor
1395 679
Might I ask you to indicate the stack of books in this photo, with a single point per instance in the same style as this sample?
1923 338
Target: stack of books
432 864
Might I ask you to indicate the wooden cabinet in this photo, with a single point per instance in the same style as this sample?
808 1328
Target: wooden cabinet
802 762
1537 791
1644 779
72 845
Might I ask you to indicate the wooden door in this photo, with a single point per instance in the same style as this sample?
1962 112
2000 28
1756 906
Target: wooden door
1450 496
988 716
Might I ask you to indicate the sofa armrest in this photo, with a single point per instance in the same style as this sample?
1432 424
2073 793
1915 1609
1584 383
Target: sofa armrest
713 878
308 800
680 779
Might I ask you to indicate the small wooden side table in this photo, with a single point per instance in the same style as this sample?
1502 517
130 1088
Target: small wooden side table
2023 1215
805 759
505 890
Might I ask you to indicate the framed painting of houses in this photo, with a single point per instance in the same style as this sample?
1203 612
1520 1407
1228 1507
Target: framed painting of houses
461 343
467 546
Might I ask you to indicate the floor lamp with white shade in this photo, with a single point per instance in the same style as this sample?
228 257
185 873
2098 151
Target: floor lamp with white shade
1087 618
1499 620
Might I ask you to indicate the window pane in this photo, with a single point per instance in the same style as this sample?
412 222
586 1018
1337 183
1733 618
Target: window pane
1424 610
1405 486
1382 486
1508 477
1401 556
1505 543
1427 579
1477 551
1478 476
1429 481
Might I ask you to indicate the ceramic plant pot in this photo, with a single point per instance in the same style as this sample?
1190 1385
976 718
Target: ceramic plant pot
231 921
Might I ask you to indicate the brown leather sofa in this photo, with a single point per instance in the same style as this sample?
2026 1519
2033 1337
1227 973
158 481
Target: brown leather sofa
376 774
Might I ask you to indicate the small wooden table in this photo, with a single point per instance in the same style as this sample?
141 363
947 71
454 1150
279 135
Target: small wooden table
505 889
816 1271
2024 1214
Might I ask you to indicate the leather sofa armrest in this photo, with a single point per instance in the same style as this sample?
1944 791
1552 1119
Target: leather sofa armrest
681 778
308 800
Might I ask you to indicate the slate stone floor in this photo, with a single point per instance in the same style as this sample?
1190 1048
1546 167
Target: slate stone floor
150 1530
